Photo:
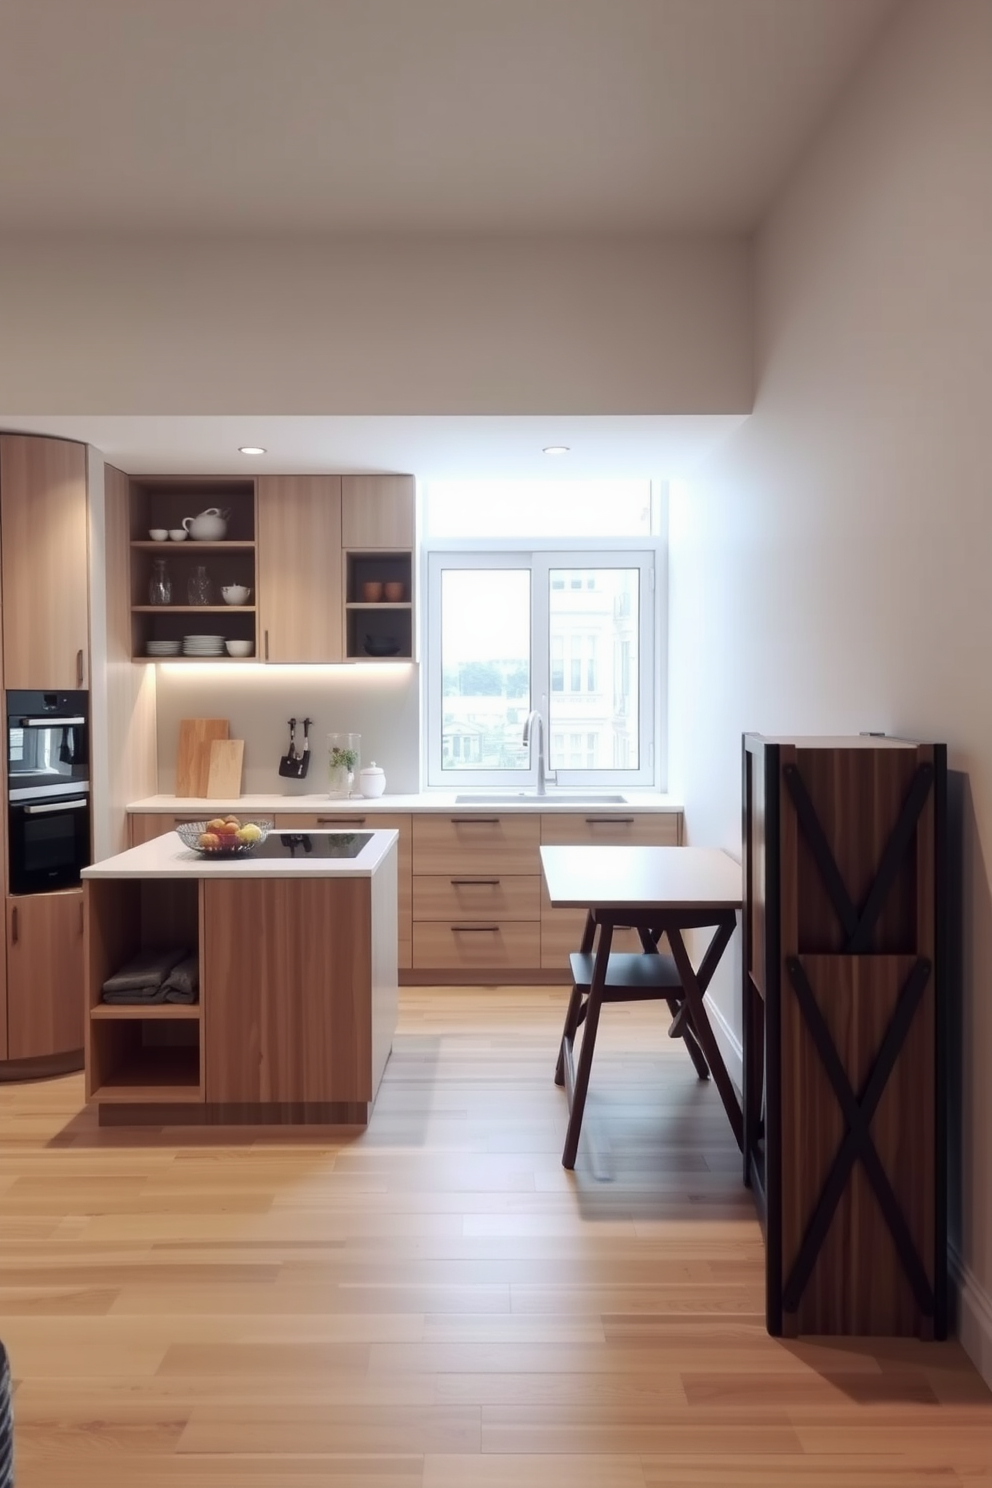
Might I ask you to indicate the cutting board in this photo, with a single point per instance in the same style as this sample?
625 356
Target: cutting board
193 753
224 773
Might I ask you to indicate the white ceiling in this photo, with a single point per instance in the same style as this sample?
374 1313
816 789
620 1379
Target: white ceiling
368 116
430 448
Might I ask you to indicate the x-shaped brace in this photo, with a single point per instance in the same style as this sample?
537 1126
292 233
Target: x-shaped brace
859 1111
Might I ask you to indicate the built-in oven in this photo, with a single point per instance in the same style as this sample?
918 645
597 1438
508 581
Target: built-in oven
48 790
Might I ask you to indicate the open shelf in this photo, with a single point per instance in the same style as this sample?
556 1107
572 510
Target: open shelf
135 1052
138 1071
380 604
149 545
382 618
163 501
161 1010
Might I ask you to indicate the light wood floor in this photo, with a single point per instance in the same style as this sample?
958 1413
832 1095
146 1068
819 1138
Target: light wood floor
436 1303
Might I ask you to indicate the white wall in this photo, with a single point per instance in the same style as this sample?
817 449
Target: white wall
380 702
423 326
831 567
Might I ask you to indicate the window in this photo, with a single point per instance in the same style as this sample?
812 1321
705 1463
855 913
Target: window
511 630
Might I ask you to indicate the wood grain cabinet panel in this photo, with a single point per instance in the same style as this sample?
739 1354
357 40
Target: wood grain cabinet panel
292 1000
378 511
298 821
470 843
45 974
602 829
440 897
479 946
299 568
43 537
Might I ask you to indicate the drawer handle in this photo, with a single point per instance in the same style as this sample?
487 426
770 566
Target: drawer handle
609 821
487 882
475 929
475 821
357 821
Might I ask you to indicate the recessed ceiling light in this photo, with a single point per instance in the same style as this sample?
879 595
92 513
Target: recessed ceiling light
556 449
250 449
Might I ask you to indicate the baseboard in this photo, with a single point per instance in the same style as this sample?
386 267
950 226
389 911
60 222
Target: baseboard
730 1044
974 1315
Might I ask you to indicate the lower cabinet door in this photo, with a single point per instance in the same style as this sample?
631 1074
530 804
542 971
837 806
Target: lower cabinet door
287 977
45 1013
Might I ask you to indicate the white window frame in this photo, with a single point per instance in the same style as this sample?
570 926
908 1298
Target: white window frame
648 556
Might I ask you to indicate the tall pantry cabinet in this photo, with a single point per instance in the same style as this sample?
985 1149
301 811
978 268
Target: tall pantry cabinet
43 544
44 614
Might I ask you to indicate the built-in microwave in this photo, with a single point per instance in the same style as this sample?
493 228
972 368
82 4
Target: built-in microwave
48 789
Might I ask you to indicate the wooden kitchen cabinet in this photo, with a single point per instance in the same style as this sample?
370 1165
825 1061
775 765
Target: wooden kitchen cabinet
43 553
299 568
45 974
289 995
378 511
480 907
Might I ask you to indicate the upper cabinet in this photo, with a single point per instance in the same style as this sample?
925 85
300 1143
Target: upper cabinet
299 567
377 511
377 538
192 582
294 568
43 552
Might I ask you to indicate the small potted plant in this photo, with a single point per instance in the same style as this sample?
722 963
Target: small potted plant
343 753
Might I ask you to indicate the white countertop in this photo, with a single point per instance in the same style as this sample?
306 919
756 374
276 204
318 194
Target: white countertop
422 801
167 857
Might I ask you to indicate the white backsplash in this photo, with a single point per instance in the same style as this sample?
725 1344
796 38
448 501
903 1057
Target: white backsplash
382 703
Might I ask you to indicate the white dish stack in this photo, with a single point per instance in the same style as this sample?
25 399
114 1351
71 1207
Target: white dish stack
163 648
203 645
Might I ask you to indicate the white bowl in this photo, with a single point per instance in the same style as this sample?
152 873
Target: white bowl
236 594
158 534
178 534
239 648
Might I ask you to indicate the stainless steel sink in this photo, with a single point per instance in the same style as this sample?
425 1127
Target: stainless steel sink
558 798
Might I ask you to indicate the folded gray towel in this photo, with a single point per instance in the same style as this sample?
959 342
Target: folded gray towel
149 969
144 996
183 980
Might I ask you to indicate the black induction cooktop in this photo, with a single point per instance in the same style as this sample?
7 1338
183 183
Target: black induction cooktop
312 845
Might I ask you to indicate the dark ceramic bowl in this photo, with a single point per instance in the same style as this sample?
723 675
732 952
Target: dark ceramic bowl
381 645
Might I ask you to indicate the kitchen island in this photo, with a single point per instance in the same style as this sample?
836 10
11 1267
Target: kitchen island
297 971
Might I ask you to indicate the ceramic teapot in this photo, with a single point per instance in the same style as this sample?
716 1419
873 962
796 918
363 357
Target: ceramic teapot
209 526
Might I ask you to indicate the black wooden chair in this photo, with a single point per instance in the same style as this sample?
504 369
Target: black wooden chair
646 976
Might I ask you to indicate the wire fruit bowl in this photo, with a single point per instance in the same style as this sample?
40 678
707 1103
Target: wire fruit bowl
228 846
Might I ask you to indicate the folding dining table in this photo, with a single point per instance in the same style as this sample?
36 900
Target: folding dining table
660 892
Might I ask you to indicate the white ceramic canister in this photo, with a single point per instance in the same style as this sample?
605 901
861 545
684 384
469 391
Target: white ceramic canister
372 780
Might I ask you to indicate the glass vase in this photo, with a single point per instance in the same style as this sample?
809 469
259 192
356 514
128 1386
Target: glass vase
199 588
344 756
160 584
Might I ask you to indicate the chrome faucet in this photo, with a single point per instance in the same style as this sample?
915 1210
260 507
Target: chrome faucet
542 772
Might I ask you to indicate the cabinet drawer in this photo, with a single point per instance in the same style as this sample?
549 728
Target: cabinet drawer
653 829
326 821
473 843
479 946
476 897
